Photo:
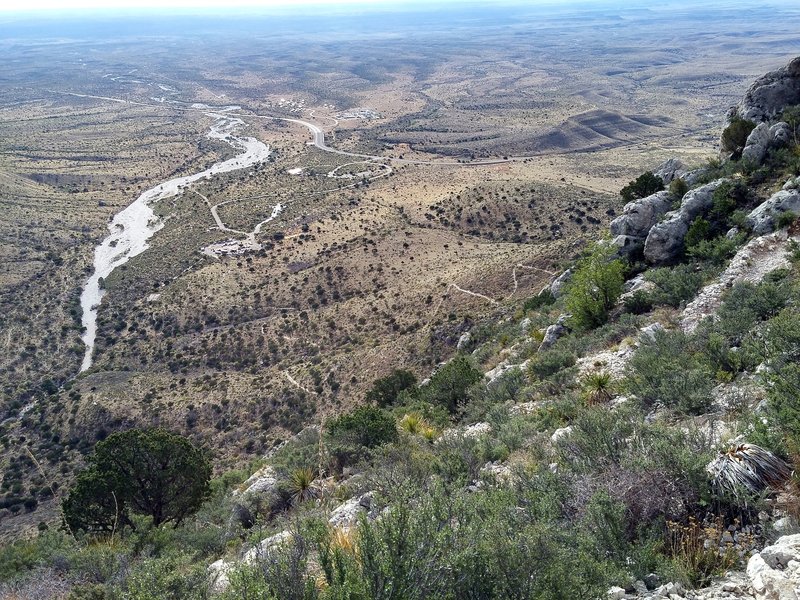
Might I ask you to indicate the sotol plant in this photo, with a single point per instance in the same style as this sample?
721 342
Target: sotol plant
748 467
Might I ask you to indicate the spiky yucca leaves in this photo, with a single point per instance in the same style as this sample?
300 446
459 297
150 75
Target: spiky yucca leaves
747 467
302 485
598 387
415 424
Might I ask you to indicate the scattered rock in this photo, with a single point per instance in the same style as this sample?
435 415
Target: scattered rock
615 593
751 263
560 433
771 93
464 340
649 332
262 482
554 332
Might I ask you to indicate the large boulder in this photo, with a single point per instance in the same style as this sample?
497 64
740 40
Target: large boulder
554 332
560 282
774 572
640 215
763 219
665 242
771 93
780 134
757 144
670 169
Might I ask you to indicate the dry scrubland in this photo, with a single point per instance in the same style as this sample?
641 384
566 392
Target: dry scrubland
349 283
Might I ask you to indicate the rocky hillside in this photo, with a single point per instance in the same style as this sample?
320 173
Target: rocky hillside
631 431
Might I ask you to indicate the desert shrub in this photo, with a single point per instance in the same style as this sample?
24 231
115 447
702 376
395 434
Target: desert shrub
785 219
542 299
734 136
385 391
728 196
497 550
678 188
747 304
715 251
595 287
639 302
791 115
280 573
366 427
449 385
666 371
548 363
173 576
643 186
699 230
674 285
783 409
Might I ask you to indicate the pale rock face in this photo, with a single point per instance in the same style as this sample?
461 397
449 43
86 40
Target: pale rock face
670 169
263 481
553 333
346 515
755 149
762 219
664 243
780 134
561 433
770 94
464 340
640 215
557 287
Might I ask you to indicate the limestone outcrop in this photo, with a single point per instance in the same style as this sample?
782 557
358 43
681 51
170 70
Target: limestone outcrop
771 93
665 242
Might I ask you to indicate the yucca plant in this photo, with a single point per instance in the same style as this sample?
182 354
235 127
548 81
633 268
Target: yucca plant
747 467
598 387
302 485
415 424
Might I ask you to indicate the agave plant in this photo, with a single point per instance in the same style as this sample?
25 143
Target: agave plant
598 387
747 467
302 485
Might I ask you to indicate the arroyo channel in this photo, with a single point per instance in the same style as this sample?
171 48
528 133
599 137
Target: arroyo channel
131 228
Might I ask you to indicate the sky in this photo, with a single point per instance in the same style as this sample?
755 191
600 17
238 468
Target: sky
145 5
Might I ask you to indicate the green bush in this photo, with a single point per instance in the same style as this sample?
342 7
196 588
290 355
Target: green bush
674 285
639 302
699 230
715 251
666 371
678 188
734 136
448 386
644 185
152 472
747 304
548 363
542 299
785 219
595 287
385 391
366 426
